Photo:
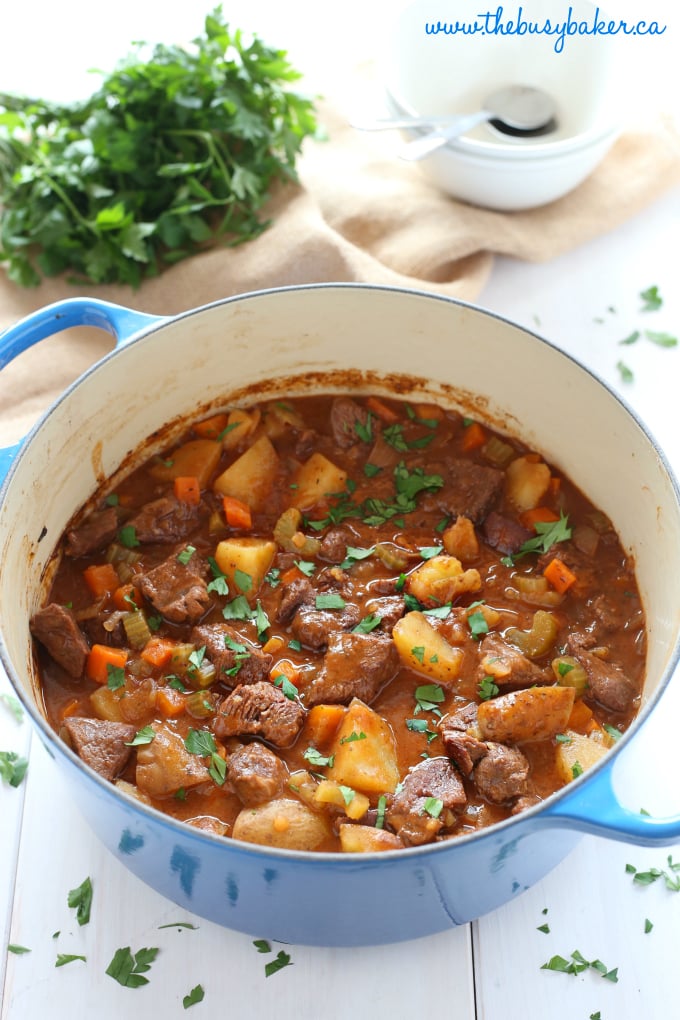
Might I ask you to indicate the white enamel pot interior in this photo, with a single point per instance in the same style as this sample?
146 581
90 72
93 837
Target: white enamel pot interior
334 337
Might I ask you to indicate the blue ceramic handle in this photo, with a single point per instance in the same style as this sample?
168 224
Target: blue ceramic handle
594 808
122 323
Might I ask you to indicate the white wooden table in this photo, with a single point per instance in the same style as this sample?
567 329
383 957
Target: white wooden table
489 970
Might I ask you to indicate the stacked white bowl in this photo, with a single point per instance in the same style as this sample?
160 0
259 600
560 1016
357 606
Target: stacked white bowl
452 72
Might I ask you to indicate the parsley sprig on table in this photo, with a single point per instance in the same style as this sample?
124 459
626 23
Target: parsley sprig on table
178 147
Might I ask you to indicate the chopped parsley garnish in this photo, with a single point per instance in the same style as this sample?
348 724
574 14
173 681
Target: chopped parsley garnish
651 298
577 964
195 995
428 551
80 898
487 688
127 536
196 658
64 958
430 423
281 960
176 684
18 950
185 555
179 924
632 338
12 767
564 667
129 970
262 946
421 726
428 698
380 816
576 770
625 372
317 759
243 581
286 685
671 878
273 577
547 535
648 926
329 600
219 581
262 623
237 609
295 645
353 555
612 731
355 735
661 339
563 738
371 470
365 430
418 653
116 677
477 624
433 807
438 612
368 624
545 928
348 794
112 499
202 743
143 736
306 567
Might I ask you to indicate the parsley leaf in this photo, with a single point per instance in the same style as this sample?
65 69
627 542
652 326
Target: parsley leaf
143 736
13 705
195 995
64 958
83 190
487 688
317 759
129 970
651 298
547 535
81 899
281 960
12 768
329 600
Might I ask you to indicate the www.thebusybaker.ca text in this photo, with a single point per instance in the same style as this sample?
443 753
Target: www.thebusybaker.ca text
497 23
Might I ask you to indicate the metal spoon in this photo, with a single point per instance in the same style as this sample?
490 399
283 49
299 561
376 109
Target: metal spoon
519 110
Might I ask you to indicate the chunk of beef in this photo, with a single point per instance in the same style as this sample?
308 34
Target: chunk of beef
256 774
390 609
469 490
524 803
57 629
101 744
314 627
334 545
504 534
105 629
345 415
175 589
260 710
607 682
96 531
165 520
501 773
305 444
611 616
461 719
236 659
505 663
299 592
464 749
165 765
355 666
433 778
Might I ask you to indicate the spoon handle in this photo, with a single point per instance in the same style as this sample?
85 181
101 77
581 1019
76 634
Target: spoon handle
421 147
393 123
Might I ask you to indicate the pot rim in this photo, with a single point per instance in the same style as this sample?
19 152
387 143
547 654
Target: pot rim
541 813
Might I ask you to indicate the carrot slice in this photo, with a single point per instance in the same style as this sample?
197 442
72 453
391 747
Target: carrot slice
559 575
474 436
99 660
170 702
237 513
382 411
322 722
538 515
101 579
125 595
158 651
284 667
187 489
292 574
581 717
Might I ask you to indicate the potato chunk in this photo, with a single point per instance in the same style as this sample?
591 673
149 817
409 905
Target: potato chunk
362 839
198 459
460 539
284 823
251 476
424 649
315 480
534 714
244 562
576 754
368 762
440 580
527 482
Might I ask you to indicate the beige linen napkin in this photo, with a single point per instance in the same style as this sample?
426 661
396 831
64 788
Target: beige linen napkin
358 215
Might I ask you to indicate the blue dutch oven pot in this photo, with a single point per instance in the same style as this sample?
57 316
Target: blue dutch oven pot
165 370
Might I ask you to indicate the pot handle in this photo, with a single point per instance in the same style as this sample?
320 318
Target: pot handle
595 809
123 323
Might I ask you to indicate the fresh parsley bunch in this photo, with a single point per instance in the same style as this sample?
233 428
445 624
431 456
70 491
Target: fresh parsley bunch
175 150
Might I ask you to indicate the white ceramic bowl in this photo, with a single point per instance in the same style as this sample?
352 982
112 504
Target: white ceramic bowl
452 72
